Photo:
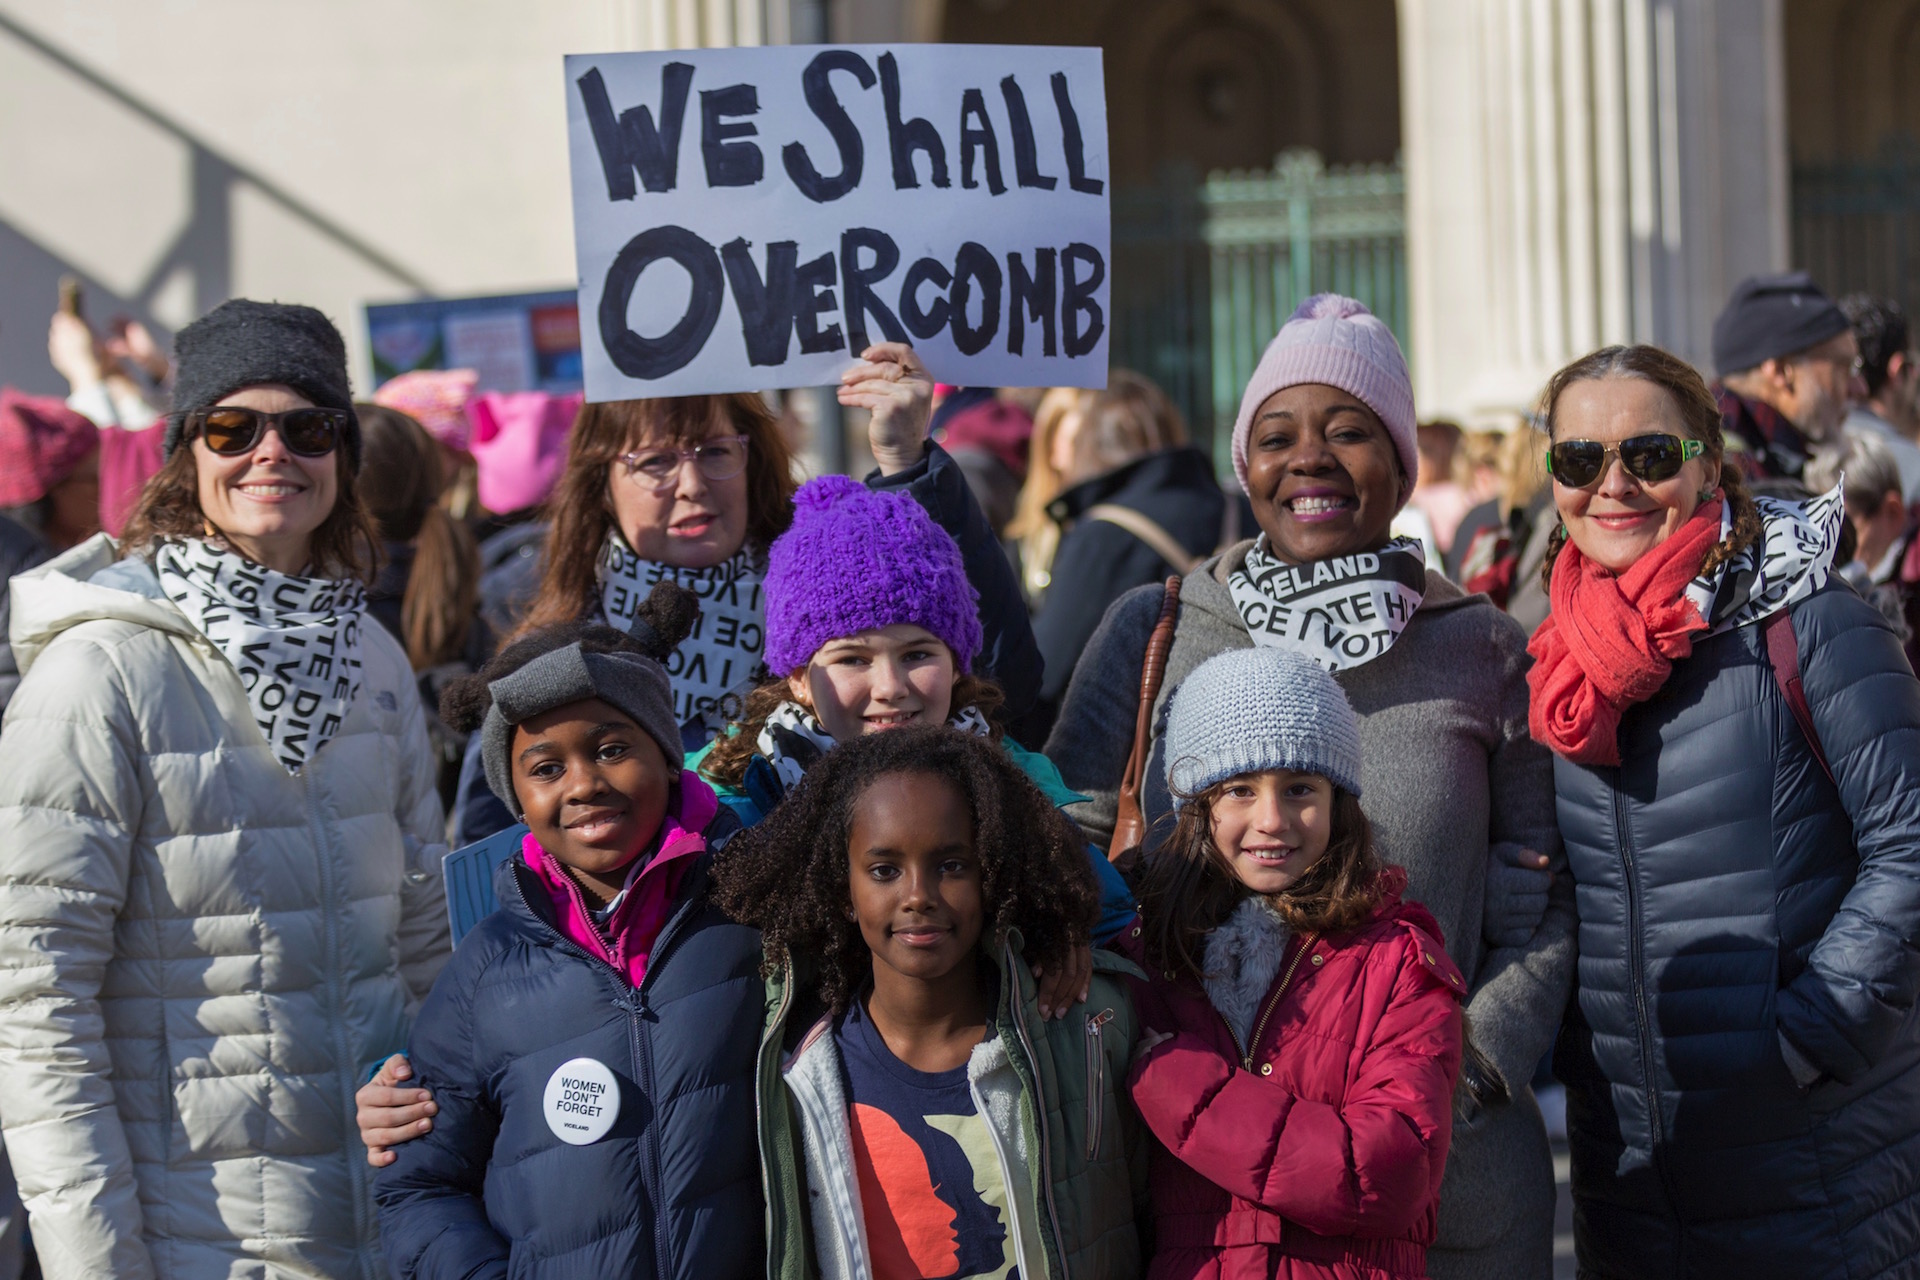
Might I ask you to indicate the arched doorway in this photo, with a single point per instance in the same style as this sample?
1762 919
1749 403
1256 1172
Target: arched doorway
1199 87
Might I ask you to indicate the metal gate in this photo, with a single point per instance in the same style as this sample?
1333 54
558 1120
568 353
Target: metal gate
1206 272
1856 226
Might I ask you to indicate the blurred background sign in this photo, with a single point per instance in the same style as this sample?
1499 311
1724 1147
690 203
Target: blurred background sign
515 342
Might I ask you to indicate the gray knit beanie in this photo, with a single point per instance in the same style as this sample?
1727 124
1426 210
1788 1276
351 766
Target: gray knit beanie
1257 709
243 343
636 684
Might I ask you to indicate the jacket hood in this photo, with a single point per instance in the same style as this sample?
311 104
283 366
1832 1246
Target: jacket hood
1181 467
88 583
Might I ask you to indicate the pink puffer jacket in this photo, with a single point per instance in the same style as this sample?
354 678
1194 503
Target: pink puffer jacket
1319 1153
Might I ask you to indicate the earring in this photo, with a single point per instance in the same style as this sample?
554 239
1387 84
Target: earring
1706 495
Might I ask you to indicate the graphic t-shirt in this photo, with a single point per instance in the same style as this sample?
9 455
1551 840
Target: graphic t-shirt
930 1185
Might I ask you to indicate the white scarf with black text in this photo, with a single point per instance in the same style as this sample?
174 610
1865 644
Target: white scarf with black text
294 641
1339 612
718 664
1791 561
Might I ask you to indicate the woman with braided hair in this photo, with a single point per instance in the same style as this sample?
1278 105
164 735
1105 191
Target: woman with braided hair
1737 765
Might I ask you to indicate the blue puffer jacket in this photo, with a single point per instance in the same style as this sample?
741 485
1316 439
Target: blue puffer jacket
673 1190
1735 910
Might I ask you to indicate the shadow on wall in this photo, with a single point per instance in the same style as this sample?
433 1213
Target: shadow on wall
199 260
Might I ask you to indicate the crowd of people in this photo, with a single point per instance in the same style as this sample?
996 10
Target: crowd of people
1030 859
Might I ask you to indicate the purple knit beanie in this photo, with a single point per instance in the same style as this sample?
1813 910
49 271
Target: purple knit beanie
1337 342
856 560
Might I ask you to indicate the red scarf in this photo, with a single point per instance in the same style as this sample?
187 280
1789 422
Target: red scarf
1612 640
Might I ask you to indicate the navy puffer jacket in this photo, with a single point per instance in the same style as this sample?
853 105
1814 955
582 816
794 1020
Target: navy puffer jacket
673 1190
1730 898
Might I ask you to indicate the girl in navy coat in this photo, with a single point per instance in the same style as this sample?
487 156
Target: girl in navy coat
590 1047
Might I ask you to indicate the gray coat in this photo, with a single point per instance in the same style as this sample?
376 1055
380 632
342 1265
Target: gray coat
1448 769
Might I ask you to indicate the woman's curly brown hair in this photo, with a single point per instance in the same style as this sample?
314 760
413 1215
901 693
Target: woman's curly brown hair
789 876
727 763
1187 890
1698 410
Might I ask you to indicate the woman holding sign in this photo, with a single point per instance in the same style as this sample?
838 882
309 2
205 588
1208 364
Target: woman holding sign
693 491
1456 791
220 890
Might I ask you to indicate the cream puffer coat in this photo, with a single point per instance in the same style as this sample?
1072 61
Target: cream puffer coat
200 955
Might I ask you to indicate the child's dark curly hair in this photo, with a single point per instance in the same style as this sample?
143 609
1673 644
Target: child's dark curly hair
789 875
664 619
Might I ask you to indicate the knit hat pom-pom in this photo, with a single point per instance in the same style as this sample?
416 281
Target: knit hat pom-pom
1334 306
664 619
826 492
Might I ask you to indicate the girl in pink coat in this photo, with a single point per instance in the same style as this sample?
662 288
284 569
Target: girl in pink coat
1301 1031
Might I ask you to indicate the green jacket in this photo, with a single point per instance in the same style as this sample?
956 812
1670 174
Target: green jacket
1054 1098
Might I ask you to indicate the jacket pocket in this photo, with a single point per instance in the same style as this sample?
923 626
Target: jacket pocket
1096 1078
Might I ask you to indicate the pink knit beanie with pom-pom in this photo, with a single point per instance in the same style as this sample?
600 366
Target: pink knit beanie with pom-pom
1337 342
856 560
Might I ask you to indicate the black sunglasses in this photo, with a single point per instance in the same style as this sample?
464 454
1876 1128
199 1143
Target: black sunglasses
1648 459
231 430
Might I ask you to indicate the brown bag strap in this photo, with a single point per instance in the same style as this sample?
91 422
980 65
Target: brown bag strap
1129 822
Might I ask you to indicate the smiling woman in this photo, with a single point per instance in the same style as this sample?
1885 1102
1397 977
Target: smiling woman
206 708
1734 739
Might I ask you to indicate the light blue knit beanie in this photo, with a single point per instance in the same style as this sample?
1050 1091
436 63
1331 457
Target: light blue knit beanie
1257 709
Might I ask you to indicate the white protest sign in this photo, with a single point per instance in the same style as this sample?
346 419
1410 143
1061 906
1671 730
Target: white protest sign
754 218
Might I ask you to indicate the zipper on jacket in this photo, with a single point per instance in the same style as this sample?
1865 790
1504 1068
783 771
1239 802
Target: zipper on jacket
775 1025
1273 1002
1039 1111
1096 1078
336 1015
1636 962
632 1001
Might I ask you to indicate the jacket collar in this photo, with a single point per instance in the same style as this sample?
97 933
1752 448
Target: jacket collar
656 902
1182 467
89 583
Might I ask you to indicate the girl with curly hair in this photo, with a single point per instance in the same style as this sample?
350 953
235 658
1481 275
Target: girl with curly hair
589 1049
918 1117
1302 1036
873 626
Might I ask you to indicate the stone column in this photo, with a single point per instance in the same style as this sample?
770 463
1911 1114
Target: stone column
1582 172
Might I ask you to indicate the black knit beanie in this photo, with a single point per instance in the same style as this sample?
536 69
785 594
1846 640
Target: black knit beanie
1773 316
242 343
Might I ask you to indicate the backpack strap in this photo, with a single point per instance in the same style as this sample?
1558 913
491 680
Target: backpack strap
1164 544
1783 652
1129 820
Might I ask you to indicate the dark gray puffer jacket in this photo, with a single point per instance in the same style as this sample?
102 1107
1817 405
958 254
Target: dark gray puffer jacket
1732 901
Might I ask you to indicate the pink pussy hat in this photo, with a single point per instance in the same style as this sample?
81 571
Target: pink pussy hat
519 445
1335 341
435 398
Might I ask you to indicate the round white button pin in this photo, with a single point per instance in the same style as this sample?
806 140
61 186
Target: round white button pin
582 1100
